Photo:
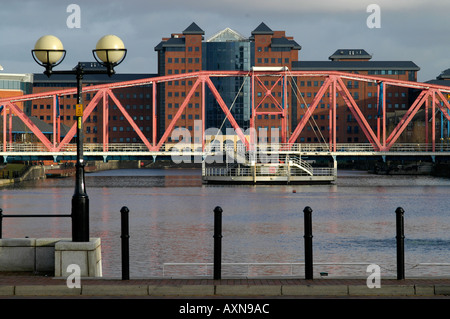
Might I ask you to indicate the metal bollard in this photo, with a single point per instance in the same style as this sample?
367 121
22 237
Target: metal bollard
400 243
218 243
308 243
125 243
1 222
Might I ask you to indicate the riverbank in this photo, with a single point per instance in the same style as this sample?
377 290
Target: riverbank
28 173
36 172
68 169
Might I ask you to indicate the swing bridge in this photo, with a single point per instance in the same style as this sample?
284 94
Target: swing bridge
381 143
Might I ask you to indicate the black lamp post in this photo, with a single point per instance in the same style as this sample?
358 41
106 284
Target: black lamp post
109 52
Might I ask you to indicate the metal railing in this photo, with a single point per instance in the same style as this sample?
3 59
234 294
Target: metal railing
230 149
308 248
267 171
24 216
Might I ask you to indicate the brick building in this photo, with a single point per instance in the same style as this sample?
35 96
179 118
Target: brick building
137 101
181 53
356 61
227 50
12 85
188 51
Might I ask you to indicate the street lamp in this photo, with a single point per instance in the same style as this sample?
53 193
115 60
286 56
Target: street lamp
109 52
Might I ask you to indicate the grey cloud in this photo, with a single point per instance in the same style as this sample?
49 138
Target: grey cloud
410 29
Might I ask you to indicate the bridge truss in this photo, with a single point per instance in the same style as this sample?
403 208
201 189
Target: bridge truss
333 85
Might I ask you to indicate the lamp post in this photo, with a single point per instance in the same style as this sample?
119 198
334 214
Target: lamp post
109 52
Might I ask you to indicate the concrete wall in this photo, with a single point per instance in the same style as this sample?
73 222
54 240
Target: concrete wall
28 254
50 255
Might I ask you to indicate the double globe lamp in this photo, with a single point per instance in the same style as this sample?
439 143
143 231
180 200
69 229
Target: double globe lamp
109 52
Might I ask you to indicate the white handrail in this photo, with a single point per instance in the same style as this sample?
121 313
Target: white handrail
238 150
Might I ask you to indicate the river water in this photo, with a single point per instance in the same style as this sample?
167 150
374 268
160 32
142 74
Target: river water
171 223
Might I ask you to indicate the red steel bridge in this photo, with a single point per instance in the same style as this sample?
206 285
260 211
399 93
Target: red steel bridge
380 142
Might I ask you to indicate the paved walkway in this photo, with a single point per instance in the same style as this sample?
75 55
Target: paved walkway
26 285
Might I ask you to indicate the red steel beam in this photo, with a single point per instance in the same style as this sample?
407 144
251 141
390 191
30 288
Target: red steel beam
406 118
227 112
446 104
26 120
105 121
87 111
310 110
129 119
268 93
177 115
358 115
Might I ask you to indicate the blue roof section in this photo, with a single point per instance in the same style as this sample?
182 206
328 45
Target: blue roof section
353 65
444 75
284 43
262 29
171 43
193 29
40 78
18 127
350 54
439 82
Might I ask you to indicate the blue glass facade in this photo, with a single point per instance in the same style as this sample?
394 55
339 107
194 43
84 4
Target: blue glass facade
235 91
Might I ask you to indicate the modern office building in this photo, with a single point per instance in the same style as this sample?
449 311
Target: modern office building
227 50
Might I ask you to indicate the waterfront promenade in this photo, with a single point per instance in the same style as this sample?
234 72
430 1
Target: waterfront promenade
26 285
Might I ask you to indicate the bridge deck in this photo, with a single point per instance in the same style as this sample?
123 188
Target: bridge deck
18 151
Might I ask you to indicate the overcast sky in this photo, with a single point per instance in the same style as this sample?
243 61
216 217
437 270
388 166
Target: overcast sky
412 30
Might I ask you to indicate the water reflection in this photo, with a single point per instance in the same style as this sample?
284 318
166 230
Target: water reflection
171 221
